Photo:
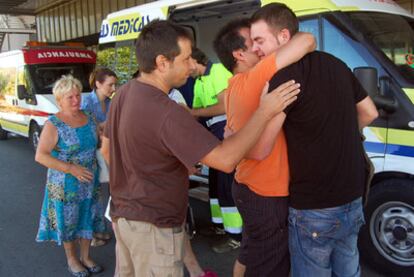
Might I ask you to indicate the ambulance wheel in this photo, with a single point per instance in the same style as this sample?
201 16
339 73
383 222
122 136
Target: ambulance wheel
386 241
3 134
34 135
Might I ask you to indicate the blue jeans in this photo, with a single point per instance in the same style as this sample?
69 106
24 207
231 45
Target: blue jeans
323 242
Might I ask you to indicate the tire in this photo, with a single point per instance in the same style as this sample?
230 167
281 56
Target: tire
386 241
3 134
34 135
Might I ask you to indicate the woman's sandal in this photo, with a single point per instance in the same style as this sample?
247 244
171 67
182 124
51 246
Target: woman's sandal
94 269
83 273
98 242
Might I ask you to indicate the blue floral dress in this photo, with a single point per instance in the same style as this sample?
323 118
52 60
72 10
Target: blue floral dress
70 208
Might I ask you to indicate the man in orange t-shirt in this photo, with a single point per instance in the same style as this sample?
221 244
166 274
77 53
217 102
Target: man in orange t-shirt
260 189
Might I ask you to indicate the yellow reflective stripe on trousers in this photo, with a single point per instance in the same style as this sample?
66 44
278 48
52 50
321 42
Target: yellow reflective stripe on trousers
216 216
232 220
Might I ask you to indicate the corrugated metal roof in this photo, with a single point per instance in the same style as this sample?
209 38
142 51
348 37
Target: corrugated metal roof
16 7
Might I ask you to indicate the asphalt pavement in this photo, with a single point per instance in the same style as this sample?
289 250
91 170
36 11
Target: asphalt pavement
22 183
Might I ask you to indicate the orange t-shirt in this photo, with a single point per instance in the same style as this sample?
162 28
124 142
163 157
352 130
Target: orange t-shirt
269 177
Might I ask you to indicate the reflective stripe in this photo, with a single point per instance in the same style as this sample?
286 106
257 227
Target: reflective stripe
229 210
375 134
216 216
215 120
233 230
398 150
213 201
21 129
232 220
410 93
217 220
391 136
400 137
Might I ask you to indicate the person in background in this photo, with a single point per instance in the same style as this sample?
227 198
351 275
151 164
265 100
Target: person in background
190 259
70 210
102 80
210 82
103 83
187 90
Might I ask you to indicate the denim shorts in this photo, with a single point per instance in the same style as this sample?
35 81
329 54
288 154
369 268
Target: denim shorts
323 242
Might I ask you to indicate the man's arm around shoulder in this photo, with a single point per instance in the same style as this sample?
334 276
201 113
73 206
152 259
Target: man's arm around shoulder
294 50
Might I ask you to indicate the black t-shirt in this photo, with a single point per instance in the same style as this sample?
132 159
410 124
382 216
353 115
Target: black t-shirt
324 143
153 143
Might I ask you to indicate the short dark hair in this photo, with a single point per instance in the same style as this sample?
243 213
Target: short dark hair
100 74
199 56
159 37
228 40
278 16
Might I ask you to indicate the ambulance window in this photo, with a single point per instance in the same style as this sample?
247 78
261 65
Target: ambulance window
22 79
45 75
311 26
344 47
391 34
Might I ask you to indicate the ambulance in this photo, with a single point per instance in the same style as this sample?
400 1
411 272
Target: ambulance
375 38
26 81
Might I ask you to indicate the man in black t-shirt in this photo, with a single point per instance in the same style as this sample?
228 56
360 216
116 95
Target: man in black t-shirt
325 151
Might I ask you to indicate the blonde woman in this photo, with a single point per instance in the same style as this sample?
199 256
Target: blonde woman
67 148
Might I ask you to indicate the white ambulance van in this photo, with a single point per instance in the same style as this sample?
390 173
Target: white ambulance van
26 81
375 38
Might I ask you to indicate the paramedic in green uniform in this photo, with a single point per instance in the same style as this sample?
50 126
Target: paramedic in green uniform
208 102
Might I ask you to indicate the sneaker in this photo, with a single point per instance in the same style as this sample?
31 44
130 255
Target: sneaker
212 231
226 246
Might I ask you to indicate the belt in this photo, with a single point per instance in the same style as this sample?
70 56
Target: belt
215 120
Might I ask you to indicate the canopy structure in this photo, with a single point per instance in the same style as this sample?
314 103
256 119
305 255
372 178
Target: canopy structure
17 7
16 17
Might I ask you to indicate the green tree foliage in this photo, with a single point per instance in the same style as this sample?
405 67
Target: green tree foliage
121 60
7 81
106 58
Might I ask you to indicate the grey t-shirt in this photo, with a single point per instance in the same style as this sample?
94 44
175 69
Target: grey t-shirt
153 143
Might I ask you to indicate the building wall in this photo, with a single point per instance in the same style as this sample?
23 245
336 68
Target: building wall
72 20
